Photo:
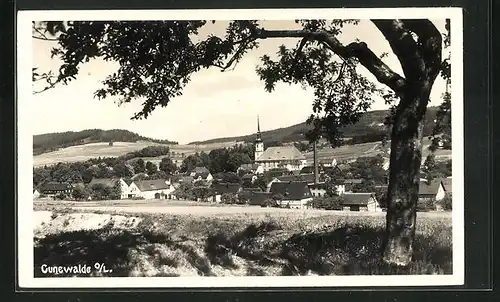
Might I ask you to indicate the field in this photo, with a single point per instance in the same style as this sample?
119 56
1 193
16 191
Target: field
87 151
157 238
351 152
84 152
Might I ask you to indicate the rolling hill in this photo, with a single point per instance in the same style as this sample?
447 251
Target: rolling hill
370 128
50 142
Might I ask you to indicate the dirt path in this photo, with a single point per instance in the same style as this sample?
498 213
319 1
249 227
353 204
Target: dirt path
200 209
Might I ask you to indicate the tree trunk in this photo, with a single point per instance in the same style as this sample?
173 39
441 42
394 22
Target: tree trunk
404 178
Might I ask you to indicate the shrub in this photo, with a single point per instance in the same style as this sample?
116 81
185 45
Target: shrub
426 205
60 196
269 203
445 203
229 198
327 203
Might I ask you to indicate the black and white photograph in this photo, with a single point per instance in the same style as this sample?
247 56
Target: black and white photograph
240 148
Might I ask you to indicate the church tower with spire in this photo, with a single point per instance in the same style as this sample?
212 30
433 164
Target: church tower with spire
259 144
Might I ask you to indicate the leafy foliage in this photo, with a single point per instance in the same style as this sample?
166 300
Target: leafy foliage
327 203
151 168
139 166
166 165
219 160
436 169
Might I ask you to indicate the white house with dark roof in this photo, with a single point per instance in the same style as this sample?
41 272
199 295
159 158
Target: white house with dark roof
151 189
201 173
296 195
434 190
360 202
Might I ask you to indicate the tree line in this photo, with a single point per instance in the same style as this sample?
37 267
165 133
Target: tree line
53 141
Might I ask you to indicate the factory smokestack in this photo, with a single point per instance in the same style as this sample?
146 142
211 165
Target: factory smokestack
316 176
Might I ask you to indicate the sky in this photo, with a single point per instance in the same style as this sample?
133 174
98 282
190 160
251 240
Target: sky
214 104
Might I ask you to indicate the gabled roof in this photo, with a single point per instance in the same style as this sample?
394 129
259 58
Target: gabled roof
353 181
318 186
253 189
276 173
258 198
343 167
431 188
197 172
179 178
54 186
281 153
200 170
109 182
78 184
248 176
361 199
136 176
308 170
151 185
326 160
447 184
249 167
309 178
222 188
291 190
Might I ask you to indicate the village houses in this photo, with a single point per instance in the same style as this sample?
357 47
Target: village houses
151 189
360 202
296 195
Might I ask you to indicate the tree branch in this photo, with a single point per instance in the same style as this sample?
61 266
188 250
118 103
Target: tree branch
42 35
236 55
403 45
297 54
430 42
366 57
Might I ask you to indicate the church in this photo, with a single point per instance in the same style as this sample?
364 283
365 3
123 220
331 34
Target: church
288 157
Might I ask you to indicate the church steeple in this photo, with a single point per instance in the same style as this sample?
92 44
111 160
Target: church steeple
259 144
259 136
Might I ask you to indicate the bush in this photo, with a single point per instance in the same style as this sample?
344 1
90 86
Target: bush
327 203
228 198
426 205
445 203
269 203
60 196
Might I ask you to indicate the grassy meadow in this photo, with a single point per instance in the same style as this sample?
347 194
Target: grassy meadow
245 244
94 150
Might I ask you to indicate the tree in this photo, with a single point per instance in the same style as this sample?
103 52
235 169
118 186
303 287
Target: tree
100 191
429 167
139 166
151 168
40 175
79 193
167 165
319 61
122 170
159 175
116 191
229 198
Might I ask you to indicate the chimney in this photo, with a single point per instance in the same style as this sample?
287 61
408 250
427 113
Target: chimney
316 176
